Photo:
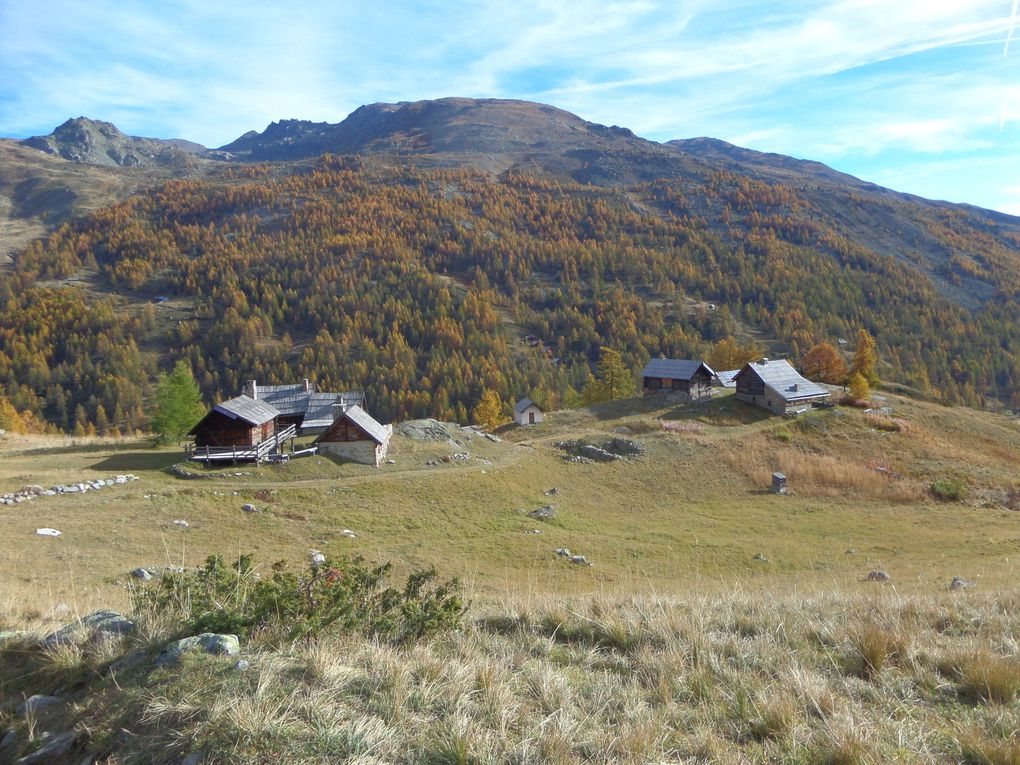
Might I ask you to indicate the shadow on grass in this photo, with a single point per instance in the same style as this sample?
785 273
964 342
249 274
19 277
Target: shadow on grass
722 412
138 460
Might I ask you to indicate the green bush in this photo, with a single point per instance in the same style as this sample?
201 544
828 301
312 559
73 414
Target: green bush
335 597
950 489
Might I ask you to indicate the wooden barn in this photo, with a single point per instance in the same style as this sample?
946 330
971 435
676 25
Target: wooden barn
775 385
355 436
241 429
527 412
686 377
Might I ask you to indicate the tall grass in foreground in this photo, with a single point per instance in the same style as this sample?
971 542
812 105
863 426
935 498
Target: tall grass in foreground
782 677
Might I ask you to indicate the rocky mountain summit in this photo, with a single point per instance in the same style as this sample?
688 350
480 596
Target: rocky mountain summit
100 143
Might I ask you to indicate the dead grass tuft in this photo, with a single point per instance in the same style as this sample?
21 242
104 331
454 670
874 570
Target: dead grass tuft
985 676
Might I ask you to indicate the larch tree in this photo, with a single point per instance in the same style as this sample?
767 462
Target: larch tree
865 357
824 363
490 411
178 404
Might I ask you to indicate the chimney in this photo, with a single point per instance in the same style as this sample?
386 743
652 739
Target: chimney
339 407
251 388
764 362
308 386
794 387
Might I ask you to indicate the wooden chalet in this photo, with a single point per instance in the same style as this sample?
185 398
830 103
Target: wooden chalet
302 405
688 378
239 430
775 385
355 436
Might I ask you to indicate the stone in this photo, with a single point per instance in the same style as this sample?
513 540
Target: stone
552 492
194 758
33 704
242 665
349 534
579 560
563 552
183 524
207 642
54 747
959 583
9 738
141 573
129 662
32 489
88 760
249 508
47 532
318 559
761 557
100 624
543 513
851 551
878 576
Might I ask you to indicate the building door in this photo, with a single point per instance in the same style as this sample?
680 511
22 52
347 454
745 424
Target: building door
531 418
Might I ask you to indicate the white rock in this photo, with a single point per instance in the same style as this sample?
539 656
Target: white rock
349 534
182 523
46 532
318 559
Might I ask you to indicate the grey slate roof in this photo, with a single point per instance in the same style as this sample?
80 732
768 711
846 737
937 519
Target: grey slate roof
523 404
321 408
286 401
675 369
726 378
247 409
782 378
379 433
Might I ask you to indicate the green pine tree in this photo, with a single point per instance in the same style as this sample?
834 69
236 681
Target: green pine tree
178 404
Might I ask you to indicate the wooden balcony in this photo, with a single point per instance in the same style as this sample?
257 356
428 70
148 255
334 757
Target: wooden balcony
257 453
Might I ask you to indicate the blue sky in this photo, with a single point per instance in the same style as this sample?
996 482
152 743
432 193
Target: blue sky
919 96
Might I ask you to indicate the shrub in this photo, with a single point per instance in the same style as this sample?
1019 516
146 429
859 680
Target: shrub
949 489
985 676
336 597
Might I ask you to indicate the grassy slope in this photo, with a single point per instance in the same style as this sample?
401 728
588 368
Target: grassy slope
691 513
675 646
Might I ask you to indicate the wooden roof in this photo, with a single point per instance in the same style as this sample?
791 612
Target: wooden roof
675 369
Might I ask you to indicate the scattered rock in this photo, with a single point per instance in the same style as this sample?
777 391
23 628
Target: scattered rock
563 552
242 665
391 462
543 513
851 551
249 508
761 556
33 704
349 534
579 560
318 559
9 738
141 573
878 576
183 524
606 451
533 531
47 532
207 642
552 492
494 439
98 624
52 748
959 583
195 758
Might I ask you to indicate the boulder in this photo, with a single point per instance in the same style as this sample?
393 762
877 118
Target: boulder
9 738
318 559
98 624
207 642
878 576
761 557
52 748
47 532
563 552
543 513
141 573
959 583
249 508
349 534
579 560
34 703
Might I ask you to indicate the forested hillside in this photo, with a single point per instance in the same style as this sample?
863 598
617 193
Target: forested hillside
418 285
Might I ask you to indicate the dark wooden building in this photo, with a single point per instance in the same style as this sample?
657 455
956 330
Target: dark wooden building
239 429
687 377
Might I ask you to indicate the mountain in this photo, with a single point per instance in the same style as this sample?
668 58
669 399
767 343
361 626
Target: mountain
100 143
409 249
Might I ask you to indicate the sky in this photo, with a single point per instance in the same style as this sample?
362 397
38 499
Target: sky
922 97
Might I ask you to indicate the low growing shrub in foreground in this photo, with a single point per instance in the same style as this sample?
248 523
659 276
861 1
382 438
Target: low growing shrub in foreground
345 596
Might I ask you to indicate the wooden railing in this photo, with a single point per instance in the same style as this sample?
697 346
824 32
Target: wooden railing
256 453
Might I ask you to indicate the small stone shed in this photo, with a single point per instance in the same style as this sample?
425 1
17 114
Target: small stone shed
527 412
356 436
